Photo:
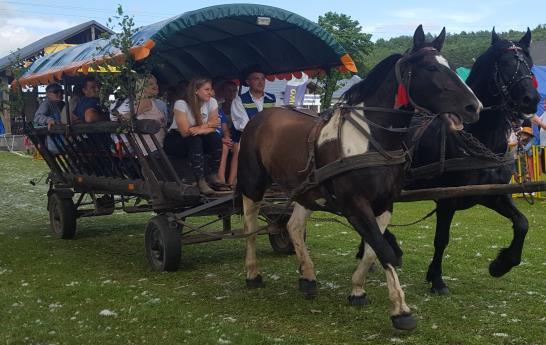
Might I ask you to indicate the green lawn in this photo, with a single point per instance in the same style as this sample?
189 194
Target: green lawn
54 291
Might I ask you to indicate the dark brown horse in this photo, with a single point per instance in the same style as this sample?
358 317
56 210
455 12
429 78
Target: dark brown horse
363 147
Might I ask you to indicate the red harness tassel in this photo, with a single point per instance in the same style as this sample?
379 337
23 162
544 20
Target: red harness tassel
535 82
402 98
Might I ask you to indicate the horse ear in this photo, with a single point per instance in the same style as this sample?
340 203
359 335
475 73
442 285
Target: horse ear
418 38
494 37
438 42
525 41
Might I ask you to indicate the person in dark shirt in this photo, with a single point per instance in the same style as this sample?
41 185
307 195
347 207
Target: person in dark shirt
88 109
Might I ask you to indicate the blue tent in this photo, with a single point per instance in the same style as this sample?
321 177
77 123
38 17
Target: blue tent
540 74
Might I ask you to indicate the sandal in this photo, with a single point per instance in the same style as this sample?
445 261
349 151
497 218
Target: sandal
220 187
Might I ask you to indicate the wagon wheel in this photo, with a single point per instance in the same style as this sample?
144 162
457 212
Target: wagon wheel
62 216
163 246
279 237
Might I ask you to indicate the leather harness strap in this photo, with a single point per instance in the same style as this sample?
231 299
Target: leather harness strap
316 176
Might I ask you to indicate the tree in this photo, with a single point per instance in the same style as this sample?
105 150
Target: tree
118 75
460 49
12 102
348 33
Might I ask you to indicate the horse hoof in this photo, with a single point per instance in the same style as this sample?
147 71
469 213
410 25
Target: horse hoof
358 300
308 287
498 269
405 322
441 291
255 283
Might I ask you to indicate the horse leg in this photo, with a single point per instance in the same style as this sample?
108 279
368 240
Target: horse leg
391 239
444 216
251 209
511 256
358 294
361 217
296 229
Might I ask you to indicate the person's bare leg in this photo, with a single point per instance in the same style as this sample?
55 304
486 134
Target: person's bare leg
223 164
232 178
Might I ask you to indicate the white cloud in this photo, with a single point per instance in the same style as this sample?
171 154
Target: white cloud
18 31
15 37
41 24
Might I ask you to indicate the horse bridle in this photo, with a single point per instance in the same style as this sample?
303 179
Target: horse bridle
504 87
418 111
406 82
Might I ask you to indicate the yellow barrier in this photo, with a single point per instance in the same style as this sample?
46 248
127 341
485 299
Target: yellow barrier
529 168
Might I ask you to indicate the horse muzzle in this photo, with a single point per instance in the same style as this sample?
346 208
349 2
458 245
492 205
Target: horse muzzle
453 120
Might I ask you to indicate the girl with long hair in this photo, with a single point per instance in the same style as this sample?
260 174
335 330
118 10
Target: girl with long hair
192 134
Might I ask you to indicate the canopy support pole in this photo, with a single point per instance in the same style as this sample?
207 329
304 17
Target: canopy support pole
66 102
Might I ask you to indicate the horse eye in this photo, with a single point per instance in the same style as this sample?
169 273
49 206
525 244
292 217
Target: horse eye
431 68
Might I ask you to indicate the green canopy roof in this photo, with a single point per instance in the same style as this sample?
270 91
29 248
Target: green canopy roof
217 41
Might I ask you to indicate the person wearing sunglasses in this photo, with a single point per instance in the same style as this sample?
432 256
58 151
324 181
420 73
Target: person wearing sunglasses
49 111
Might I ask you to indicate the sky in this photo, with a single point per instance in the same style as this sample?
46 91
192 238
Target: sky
24 21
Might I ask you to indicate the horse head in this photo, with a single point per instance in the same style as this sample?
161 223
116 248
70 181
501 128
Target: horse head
502 76
433 85
421 80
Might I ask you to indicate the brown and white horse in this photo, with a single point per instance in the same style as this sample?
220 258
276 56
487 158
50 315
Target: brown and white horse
288 148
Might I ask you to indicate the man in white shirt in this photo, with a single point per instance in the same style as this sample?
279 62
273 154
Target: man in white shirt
245 107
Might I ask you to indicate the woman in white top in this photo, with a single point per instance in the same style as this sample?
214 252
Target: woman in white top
146 108
192 134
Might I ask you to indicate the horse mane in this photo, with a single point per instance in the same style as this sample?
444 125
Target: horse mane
369 85
483 66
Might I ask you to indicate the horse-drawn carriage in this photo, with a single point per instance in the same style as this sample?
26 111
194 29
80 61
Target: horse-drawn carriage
352 163
98 168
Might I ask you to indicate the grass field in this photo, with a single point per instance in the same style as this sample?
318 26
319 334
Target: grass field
97 288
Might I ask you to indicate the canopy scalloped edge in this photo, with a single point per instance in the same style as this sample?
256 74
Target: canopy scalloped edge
55 74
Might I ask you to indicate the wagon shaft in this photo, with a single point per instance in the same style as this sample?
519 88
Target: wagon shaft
472 190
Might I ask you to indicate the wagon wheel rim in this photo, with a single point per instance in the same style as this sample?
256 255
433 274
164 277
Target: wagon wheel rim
283 238
157 247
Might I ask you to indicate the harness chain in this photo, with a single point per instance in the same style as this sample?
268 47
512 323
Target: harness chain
480 157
